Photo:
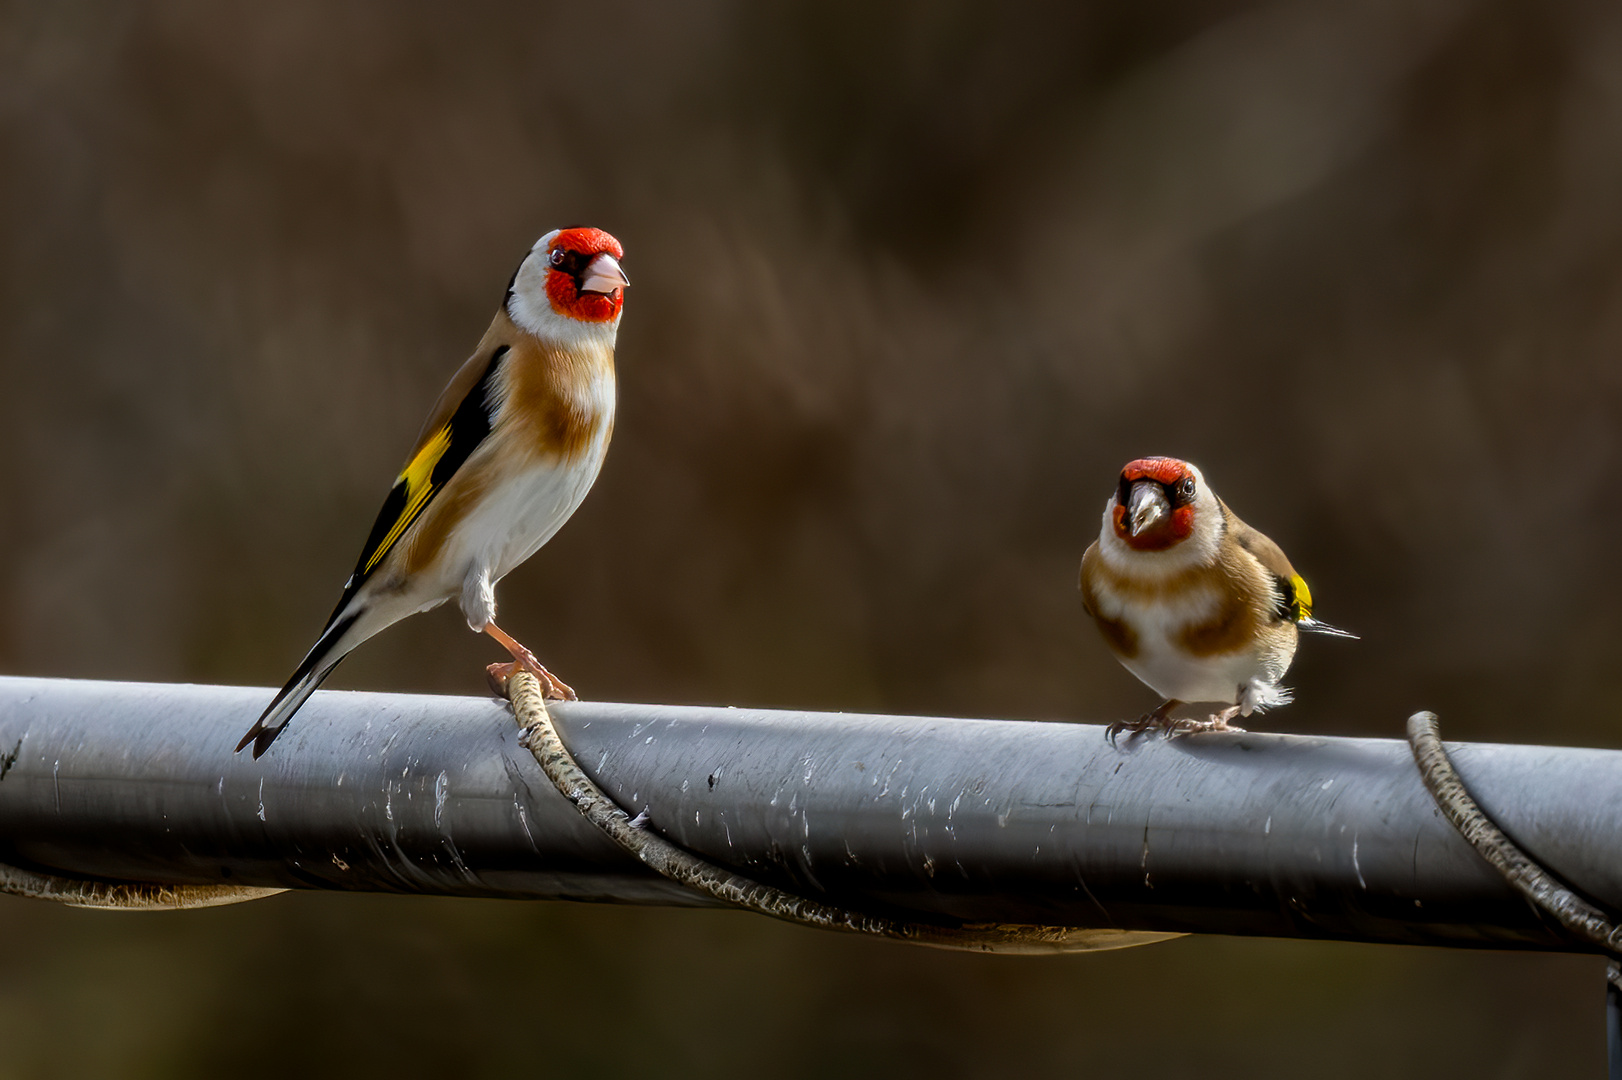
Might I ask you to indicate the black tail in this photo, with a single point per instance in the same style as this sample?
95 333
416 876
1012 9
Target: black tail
317 665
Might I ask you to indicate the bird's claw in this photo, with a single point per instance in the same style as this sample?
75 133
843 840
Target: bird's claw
1162 720
498 674
552 687
1147 722
1217 721
555 688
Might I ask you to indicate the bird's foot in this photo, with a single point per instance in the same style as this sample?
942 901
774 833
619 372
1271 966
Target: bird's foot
1131 727
1149 721
552 687
1217 721
498 674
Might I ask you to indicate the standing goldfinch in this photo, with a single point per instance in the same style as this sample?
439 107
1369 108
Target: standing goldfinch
508 453
1191 600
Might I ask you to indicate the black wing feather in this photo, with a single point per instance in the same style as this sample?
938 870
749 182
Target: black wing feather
468 426
1288 605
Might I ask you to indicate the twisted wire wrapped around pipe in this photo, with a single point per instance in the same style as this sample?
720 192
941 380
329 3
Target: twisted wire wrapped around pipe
123 895
1539 887
679 865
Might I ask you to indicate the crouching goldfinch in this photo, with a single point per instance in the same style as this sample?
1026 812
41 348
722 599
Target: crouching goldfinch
1191 600
508 453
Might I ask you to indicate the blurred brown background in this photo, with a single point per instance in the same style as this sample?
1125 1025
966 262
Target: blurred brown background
911 282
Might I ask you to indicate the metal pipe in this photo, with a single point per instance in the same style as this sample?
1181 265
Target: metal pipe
975 820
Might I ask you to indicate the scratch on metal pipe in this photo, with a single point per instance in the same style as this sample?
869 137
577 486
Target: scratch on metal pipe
810 874
456 859
1143 863
1358 870
523 822
441 792
885 790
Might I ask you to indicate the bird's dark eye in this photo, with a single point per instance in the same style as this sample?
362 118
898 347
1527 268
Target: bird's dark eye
568 262
1186 488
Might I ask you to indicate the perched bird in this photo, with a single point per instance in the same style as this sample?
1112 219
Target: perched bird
1191 600
508 453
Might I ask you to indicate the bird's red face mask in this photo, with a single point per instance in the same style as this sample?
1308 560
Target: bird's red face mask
1154 504
583 279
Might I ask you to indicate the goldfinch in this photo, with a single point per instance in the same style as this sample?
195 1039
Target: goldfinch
508 453
1191 600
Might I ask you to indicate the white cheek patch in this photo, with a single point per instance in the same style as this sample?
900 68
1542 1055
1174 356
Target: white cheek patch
531 309
528 304
1200 549
539 319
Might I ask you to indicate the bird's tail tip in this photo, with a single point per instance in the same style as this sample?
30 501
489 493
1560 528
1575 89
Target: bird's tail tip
1314 626
273 721
261 737
317 665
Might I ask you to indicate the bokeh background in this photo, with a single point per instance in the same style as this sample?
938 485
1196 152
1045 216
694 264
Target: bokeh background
911 282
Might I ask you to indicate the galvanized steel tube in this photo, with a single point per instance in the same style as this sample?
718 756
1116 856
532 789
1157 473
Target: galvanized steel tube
976 820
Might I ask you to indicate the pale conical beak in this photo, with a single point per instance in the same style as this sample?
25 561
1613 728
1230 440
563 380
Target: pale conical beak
603 275
1146 505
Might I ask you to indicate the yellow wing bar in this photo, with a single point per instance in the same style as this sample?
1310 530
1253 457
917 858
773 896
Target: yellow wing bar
417 478
1303 597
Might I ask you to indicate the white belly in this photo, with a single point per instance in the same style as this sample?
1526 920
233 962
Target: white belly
512 522
1174 673
1164 665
